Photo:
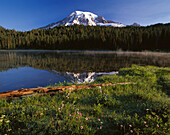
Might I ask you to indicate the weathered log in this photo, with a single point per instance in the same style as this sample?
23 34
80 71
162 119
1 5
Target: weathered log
51 90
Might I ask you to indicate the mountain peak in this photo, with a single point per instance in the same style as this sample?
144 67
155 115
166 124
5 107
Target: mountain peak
136 24
84 18
81 13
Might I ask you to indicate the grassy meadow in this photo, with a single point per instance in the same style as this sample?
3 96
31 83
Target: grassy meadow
140 108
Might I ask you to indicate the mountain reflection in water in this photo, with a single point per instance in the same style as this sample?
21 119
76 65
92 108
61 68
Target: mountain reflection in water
42 64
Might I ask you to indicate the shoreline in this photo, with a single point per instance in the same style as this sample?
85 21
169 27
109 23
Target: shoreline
52 90
88 51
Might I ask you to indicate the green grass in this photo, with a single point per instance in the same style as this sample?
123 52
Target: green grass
140 108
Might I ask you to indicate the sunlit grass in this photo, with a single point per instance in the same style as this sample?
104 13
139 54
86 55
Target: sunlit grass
140 108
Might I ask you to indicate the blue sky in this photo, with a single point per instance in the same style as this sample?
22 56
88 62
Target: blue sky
30 14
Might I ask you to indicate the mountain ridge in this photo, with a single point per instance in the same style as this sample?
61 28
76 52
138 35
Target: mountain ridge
84 18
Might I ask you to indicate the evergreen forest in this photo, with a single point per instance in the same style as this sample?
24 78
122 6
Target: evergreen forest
78 37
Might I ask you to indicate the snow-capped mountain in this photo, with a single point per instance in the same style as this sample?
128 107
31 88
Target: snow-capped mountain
84 18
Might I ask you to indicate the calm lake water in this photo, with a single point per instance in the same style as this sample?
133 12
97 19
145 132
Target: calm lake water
33 68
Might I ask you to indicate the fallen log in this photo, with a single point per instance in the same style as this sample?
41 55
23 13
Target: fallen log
51 90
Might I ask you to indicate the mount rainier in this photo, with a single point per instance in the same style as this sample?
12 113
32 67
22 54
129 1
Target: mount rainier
84 18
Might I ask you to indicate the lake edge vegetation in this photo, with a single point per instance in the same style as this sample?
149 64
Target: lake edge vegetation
140 108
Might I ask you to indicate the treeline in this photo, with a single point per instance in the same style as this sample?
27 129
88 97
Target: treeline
155 37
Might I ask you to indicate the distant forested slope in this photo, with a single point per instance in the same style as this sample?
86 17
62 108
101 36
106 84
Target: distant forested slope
155 37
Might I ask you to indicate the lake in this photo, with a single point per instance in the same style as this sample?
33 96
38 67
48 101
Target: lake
40 68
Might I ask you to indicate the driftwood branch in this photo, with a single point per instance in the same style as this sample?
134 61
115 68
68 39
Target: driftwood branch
51 90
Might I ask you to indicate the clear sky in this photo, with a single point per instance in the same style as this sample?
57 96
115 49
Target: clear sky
30 14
